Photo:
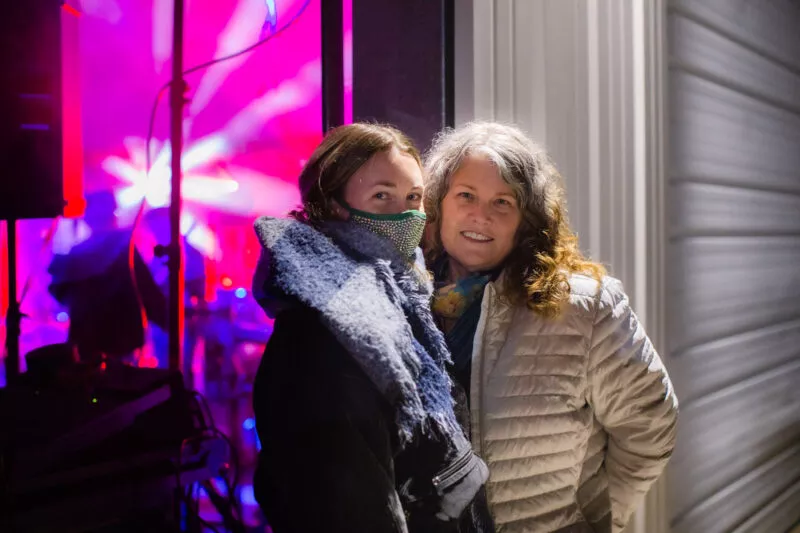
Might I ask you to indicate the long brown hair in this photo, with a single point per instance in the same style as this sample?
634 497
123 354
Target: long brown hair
340 154
546 252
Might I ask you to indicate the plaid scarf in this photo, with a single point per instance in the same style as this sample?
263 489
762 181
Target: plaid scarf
376 303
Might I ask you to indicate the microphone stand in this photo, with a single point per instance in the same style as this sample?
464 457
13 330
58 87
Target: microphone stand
13 315
176 273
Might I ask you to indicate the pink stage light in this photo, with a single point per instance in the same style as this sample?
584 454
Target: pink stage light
249 128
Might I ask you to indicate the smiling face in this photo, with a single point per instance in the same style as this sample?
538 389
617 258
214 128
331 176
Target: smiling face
390 182
480 216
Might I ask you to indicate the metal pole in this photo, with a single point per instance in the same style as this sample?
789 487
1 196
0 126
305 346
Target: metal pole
176 277
332 64
13 316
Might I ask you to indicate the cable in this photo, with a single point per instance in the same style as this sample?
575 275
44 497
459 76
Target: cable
191 500
234 458
232 522
46 240
207 64
228 517
233 500
211 427
151 126
252 46
205 409
225 505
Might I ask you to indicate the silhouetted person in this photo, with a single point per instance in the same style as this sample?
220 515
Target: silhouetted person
158 222
94 282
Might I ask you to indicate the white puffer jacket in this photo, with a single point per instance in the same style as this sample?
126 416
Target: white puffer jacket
575 416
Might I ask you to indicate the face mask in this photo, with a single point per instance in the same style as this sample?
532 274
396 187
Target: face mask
404 230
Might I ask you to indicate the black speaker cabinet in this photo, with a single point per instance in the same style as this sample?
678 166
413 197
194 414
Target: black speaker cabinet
31 103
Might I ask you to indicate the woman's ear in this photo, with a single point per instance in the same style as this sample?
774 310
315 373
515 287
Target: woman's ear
429 237
338 211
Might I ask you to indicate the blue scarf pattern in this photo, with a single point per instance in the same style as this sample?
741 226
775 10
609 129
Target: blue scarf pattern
377 305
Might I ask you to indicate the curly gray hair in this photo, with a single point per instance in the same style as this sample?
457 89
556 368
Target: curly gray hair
546 247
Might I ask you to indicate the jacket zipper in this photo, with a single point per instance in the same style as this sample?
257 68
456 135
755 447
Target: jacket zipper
442 478
478 370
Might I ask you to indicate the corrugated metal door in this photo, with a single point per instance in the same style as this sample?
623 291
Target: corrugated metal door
733 271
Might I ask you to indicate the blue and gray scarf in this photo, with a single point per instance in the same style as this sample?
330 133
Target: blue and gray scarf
376 304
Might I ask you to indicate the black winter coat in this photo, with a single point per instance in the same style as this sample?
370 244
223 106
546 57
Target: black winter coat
330 460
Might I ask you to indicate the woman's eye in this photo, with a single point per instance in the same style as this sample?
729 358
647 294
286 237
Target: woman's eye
414 197
465 195
382 196
503 202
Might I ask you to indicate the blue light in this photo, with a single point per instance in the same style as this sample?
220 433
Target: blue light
62 316
241 292
271 21
249 424
247 496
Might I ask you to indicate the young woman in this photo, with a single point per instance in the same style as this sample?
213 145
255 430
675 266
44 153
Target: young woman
571 406
352 400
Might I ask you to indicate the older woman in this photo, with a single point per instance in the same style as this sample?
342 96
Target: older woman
571 406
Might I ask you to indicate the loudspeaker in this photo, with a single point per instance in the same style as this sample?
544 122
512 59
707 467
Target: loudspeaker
403 65
38 40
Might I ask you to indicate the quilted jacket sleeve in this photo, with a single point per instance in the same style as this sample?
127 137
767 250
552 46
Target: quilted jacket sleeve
632 398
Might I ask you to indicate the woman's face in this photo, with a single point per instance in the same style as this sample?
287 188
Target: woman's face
388 183
480 216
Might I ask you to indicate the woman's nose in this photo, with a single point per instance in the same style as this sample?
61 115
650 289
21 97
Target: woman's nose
480 213
400 205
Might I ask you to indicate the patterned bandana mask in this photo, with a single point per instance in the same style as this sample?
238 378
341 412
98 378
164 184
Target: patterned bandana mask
404 230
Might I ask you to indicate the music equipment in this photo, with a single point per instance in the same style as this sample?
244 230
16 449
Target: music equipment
42 152
83 449
41 161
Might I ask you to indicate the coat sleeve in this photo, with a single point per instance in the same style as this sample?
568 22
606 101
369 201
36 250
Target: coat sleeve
632 398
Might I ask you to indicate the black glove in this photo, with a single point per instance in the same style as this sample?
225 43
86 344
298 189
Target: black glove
458 484
436 504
